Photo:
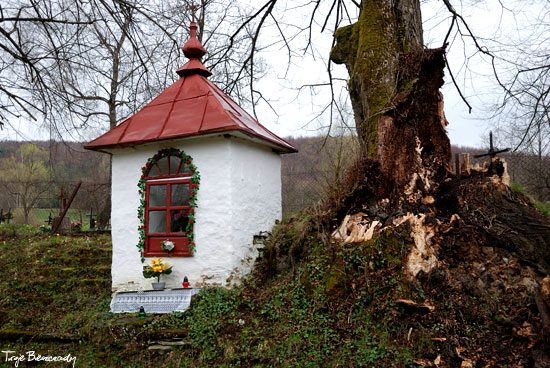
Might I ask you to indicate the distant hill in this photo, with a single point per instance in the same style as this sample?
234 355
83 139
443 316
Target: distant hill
305 174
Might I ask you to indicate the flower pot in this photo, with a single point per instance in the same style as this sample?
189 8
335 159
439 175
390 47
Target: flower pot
158 285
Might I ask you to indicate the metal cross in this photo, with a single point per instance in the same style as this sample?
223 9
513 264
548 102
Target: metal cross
50 219
62 198
7 217
91 216
492 152
192 7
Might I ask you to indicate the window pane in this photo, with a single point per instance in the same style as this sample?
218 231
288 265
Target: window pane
157 222
157 195
163 165
153 171
185 169
180 194
174 163
178 221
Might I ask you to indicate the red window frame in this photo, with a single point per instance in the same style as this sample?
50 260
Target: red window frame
153 241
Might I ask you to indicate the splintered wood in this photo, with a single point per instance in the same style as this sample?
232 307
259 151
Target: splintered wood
545 290
356 228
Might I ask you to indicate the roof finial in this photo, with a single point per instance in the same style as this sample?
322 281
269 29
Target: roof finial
193 50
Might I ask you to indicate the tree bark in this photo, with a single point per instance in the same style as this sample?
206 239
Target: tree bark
404 175
464 228
394 88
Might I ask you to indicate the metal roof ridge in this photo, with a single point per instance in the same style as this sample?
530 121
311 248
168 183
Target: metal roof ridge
204 112
128 121
175 100
171 108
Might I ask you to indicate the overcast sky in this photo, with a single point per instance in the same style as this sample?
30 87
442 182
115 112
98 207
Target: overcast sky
473 72
296 112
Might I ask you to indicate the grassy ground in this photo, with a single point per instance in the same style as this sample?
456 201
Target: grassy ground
305 305
50 285
39 216
60 284
543 207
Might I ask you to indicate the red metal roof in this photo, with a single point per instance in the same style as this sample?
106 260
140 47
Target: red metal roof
192 106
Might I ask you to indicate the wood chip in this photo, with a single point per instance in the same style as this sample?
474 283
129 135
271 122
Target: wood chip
159 347
428 200
545 290
370 232
355 228
341 232
424 362
459 350
413 306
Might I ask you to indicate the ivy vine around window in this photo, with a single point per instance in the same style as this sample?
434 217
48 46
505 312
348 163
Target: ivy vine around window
195 181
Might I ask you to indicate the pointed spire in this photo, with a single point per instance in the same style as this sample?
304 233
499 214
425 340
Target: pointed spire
193 50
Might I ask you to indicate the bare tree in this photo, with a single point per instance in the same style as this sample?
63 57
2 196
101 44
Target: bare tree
89 65
525 105
84 64
514 52
24 175
24 90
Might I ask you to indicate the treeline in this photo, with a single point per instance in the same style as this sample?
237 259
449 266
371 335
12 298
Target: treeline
41 174
321 160
319 163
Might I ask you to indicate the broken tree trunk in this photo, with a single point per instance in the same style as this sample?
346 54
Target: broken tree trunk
394 88
462 227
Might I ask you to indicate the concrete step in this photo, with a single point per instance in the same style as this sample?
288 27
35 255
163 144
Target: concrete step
165 345
175 334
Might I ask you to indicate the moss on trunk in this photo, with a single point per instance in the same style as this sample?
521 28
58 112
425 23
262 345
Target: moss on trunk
370 49
394 88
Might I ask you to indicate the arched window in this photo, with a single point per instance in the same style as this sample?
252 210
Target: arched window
169 182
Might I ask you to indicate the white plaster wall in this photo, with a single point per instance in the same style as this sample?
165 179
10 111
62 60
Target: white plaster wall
237 198
256 197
